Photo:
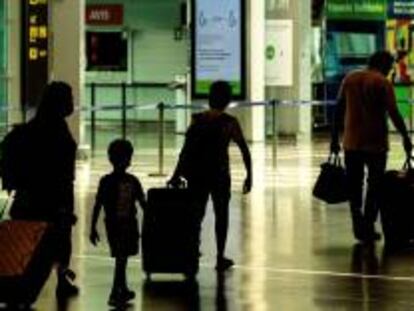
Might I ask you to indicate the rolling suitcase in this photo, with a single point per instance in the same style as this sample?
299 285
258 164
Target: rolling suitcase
26 260
170 234
396 207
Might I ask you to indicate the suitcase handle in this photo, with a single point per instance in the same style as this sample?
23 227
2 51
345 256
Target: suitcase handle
408 163
181 183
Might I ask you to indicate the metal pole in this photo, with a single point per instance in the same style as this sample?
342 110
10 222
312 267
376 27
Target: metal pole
274 142
161 128
93 117
124 110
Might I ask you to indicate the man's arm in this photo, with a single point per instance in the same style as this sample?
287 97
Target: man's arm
337 121
184 155
247 160
396 118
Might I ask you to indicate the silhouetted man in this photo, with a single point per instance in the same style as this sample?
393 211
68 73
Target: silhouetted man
365 98
204 162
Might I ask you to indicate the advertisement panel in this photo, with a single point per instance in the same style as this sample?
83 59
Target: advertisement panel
218 46
279 51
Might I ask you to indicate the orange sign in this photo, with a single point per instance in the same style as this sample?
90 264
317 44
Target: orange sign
104 14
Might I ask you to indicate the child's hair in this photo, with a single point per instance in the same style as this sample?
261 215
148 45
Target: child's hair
220 95
120 151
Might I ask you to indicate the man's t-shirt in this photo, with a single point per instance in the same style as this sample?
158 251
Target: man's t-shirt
367 97
205 152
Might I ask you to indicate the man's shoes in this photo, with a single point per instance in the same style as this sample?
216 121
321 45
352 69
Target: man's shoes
224 264
120 297
372 237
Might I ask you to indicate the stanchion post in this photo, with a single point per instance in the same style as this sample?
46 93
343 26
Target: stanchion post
161 128
93 117
410 120
274 130
124 110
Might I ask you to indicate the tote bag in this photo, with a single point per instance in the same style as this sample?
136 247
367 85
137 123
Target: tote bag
331 185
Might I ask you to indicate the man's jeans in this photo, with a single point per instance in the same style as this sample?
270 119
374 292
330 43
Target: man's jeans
364 215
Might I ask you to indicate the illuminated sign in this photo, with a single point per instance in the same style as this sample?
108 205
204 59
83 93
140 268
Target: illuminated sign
401 9
104 14
356 9
35 50
218 51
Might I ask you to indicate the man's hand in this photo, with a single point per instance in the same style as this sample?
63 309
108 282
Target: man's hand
175 182
247 186
94 237
408 146
335 147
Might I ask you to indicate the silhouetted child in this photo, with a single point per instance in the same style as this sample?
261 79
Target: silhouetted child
118 194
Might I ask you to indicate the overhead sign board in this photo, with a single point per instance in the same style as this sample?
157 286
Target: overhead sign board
218 51
104 14
401 9
356 9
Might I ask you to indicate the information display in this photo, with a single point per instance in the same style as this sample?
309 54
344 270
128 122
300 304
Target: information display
218 51
35 35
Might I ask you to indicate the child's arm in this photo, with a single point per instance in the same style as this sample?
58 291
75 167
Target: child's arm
94 235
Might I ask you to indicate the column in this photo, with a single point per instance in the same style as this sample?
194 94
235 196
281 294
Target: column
13 75
296 120
66 52
253 119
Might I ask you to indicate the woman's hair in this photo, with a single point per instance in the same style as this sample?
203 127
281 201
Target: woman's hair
56 101
220 95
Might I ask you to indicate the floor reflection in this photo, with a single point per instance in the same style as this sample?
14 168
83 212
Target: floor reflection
292 252
171 295
221 298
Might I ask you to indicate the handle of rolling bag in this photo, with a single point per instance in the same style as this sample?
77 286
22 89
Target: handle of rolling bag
180 183
408 163
408 167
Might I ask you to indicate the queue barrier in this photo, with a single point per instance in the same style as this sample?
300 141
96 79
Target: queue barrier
162 107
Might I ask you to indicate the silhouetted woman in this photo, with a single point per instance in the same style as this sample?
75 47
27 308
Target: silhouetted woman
46 191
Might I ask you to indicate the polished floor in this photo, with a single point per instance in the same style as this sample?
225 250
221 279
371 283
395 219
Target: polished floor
292 252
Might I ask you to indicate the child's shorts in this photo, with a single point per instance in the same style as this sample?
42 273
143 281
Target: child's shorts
123 237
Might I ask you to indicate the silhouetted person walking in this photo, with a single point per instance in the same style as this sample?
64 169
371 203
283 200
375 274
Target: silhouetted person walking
118 194
365 98
204 162
44 192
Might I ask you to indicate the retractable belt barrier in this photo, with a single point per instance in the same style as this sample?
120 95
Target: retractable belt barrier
161 107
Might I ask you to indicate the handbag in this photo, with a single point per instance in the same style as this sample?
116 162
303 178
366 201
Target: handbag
331 185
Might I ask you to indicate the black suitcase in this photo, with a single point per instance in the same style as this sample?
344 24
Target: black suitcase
397 207
171 233
26 260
